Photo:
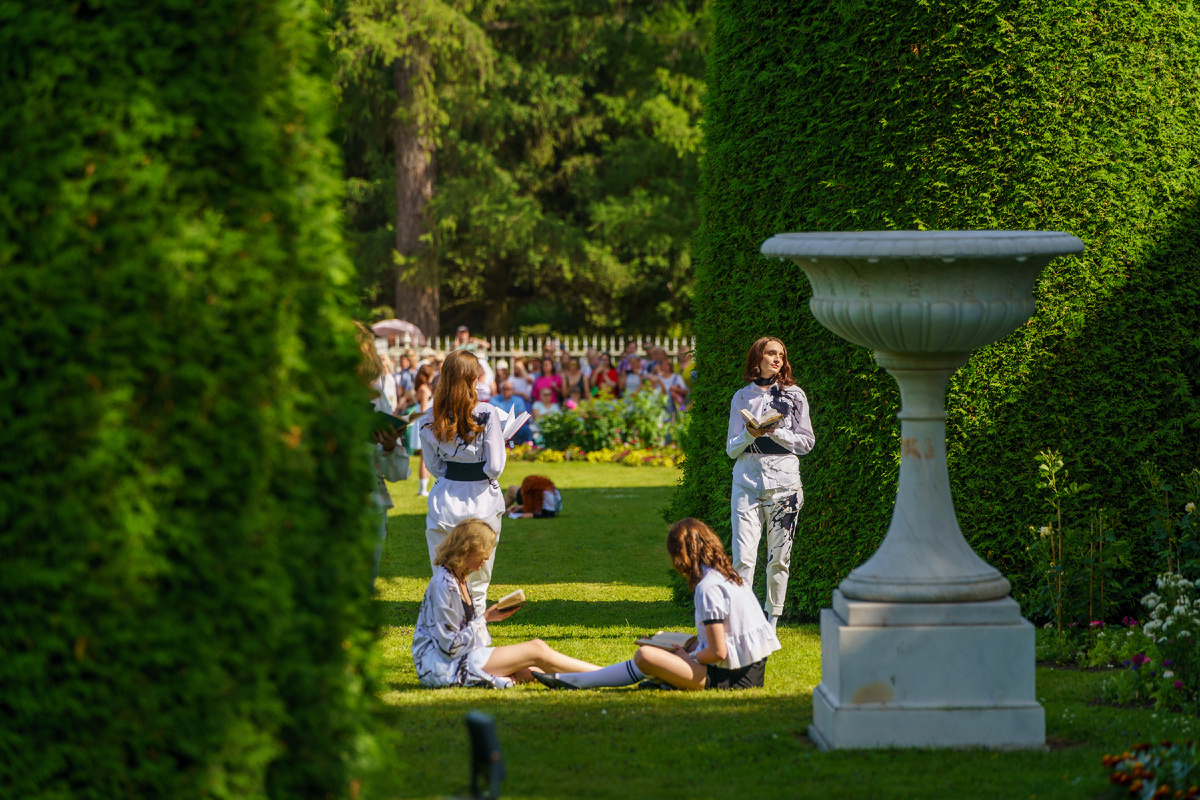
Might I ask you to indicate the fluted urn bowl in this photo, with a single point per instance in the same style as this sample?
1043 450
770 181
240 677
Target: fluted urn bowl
923 300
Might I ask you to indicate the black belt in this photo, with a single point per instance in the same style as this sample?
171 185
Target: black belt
465 471
766 446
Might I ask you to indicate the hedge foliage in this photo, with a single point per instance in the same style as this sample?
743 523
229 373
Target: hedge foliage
183 480
890 114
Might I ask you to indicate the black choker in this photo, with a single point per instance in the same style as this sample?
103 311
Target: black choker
764 381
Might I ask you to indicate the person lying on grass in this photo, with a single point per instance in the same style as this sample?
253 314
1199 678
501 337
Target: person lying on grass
451 646
536 498
732 632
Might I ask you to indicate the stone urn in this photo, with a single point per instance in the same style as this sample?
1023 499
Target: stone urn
923 645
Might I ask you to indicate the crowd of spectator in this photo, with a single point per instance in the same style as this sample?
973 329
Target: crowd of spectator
547 384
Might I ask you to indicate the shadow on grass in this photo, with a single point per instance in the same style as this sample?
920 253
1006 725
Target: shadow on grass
569 615
602 536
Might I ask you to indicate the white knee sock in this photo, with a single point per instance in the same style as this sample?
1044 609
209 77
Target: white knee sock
422 485
623 674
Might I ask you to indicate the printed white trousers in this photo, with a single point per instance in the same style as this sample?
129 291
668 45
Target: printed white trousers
478 581
779 510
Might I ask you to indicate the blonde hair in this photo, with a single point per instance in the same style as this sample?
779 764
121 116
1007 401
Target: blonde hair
370 369
469 538
693 546
455 398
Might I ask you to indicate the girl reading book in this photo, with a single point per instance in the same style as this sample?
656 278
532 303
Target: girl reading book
733 638
462 445
451 645
766 475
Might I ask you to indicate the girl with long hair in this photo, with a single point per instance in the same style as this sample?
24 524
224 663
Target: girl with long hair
422 398
733 638
766 475
462 445
451 645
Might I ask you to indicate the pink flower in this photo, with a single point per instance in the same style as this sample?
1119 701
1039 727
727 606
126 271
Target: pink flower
1178 684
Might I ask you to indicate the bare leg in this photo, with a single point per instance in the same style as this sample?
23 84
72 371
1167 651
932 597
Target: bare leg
666 666
510 659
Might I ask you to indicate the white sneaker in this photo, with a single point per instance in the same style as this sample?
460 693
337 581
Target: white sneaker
422 494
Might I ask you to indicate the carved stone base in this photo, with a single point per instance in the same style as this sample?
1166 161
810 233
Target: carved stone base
926 675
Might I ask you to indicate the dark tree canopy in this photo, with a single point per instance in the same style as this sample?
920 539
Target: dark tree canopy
567 165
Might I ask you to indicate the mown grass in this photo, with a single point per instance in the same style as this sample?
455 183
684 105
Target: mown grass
597 578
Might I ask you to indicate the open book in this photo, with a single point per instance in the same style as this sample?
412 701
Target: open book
381 421
512 422
511 600
761 422
669 640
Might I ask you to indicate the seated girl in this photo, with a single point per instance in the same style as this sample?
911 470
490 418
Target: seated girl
536 498
451 646
733 635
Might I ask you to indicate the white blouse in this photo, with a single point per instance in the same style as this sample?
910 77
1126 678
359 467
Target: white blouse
451 502
794 432
451 645
748 635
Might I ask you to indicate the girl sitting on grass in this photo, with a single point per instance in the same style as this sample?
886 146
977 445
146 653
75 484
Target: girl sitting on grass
733 635
451 646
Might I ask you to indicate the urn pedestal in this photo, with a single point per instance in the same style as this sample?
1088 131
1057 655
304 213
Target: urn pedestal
923 646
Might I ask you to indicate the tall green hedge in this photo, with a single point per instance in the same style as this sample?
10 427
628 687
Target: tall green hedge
891 114
183 550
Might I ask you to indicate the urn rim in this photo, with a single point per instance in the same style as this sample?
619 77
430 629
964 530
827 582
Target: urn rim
922 244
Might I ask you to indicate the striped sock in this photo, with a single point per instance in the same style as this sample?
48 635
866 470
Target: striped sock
625 673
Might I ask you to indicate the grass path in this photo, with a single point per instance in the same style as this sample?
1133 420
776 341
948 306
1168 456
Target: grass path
596 578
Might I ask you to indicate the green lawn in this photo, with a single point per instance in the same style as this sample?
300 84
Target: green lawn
597 578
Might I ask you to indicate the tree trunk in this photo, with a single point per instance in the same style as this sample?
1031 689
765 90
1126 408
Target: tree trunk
496 309
416 277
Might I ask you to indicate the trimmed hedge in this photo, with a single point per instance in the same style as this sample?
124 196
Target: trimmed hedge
183 550
882 114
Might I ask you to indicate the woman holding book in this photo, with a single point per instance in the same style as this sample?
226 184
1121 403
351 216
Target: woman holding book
451 645
462 445
768 429
733 638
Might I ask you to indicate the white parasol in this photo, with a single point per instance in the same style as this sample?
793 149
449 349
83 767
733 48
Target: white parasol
405 331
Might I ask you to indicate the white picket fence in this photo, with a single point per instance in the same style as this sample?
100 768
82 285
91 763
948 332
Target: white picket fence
506 347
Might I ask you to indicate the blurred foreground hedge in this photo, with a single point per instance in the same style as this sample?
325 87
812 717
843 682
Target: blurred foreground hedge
931 114
183 561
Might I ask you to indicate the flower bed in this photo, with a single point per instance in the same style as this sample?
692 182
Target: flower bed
1166 770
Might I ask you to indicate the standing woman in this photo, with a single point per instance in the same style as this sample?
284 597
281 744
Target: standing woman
462 444
422 397
766 477
549 378
605 377
572 377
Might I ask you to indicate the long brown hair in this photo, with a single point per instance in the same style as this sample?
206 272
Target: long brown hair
533 493
370 369
693 546
455 398
754 362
